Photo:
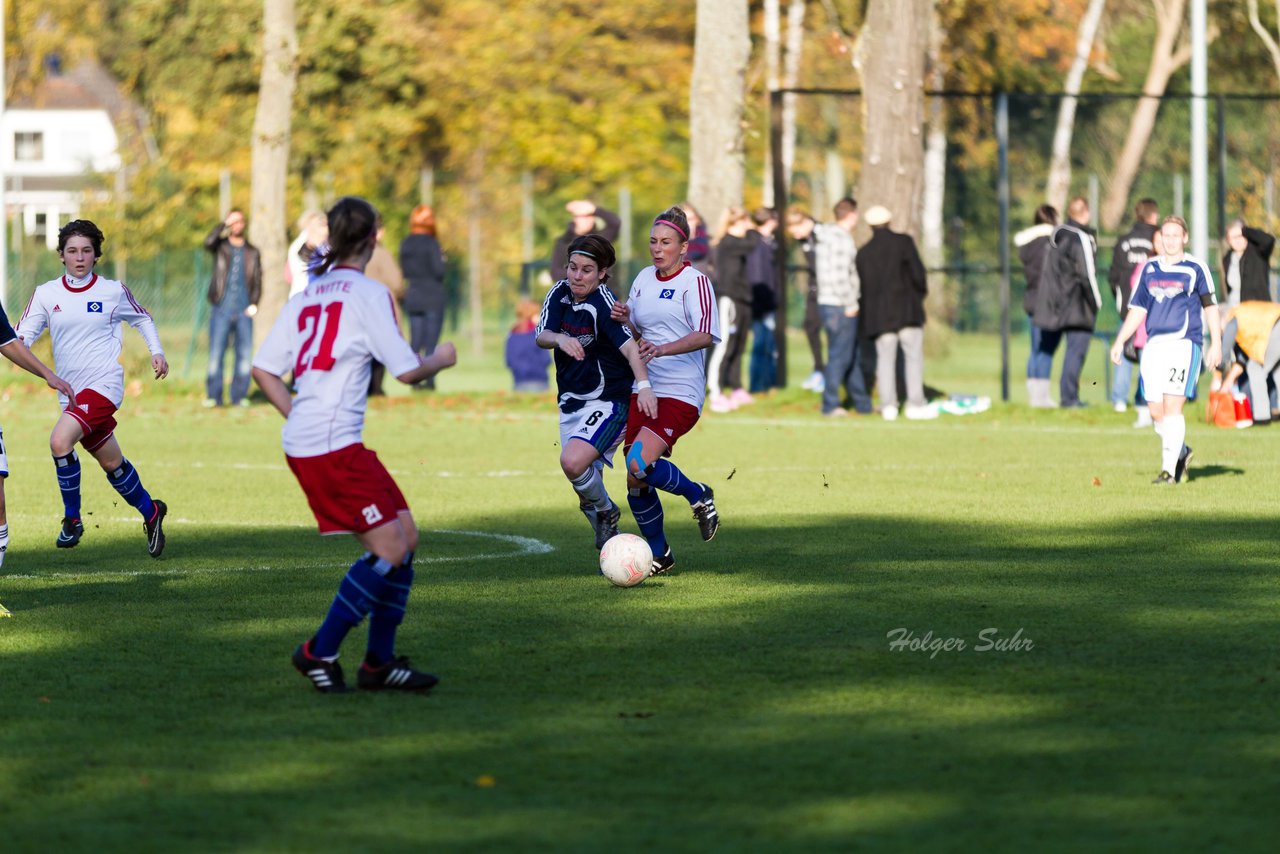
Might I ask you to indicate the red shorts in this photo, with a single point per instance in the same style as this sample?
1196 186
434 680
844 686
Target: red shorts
96 415
349 490
675 418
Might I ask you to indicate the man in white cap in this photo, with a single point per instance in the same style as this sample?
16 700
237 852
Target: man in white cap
894 286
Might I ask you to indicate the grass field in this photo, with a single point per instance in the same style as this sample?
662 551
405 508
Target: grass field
750 701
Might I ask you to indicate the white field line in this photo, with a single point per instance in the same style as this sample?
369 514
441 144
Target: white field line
523 546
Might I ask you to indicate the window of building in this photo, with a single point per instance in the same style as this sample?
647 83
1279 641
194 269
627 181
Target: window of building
28 145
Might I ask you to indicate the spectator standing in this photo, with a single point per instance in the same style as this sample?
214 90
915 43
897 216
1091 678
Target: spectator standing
425 296
1068 299
734 245
1252 340
700 255
894 286
587 218
1130 253
527 361
1246 266
800 227
234 291
762 278
1033 246
313 231
835 267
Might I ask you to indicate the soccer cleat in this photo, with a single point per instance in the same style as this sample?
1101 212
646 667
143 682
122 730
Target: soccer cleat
394 675
1184 461
705 512
155 529
1165 479
663 563
325 675
5 612
72 531
606 524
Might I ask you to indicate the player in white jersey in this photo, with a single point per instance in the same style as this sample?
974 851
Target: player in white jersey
1173 293
15 351
327 336
83 313
672 309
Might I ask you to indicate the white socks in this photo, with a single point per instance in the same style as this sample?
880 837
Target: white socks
4 541
1173 433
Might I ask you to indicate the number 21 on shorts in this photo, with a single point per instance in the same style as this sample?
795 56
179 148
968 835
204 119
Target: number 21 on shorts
310 321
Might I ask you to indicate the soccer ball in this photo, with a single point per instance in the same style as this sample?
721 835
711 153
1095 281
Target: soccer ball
626 560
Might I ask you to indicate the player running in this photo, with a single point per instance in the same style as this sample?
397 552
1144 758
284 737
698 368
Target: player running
15 351
1168 301
83 313
596 362
672 309
327 336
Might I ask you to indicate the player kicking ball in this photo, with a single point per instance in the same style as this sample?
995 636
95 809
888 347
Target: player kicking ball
327 336
1170 299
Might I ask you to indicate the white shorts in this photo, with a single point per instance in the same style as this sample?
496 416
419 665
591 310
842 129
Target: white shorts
599 423
4 457
1170 367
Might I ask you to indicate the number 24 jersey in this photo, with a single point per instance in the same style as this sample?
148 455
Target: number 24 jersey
327 336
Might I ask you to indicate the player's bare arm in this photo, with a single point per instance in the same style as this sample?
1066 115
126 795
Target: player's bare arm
645 398
1135 319
444 356
567 344
17 352
275 390
693 341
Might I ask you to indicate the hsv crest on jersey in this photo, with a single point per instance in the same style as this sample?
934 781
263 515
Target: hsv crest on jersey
94 307
667 293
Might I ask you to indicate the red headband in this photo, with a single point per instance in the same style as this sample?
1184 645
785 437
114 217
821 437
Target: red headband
677 228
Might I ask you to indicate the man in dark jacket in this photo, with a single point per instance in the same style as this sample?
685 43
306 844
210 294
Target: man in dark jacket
1131 251
1033 247
587 219
891 310
1068 298
234 291
1246 266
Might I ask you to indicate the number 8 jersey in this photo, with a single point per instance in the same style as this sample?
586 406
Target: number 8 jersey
327 336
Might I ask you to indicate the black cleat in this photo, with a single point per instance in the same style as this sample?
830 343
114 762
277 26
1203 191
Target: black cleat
663 563
155 529
606 524
705 512
72 531
1165 479
394 675
325 675
1184 460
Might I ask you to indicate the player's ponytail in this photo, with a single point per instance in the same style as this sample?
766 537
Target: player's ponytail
674 217
353 229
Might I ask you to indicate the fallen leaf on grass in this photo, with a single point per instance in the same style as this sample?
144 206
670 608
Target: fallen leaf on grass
1097 481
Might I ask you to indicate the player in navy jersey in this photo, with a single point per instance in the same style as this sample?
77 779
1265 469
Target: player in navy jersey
83 313
13 349
327 336
597 361
672 309
1172 294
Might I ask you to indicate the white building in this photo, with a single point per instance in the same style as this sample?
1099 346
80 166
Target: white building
52 144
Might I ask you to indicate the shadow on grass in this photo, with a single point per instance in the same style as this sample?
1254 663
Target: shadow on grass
752 699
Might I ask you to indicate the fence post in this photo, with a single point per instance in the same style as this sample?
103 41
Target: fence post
1002 138
1222 168
780 199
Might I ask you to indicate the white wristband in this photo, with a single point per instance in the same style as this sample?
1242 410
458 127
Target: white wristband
642 385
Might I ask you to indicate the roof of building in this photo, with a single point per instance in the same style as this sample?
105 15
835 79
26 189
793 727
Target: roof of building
59 93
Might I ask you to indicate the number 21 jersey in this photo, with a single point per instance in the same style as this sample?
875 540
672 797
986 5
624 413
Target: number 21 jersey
327 336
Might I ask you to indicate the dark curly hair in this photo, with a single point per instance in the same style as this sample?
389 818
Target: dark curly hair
353 222
81 228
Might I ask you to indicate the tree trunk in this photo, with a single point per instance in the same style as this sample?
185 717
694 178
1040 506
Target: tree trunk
1263 33
772 54
271 127
895 37
790 76
722 46
1167 56
932 234
1059 183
